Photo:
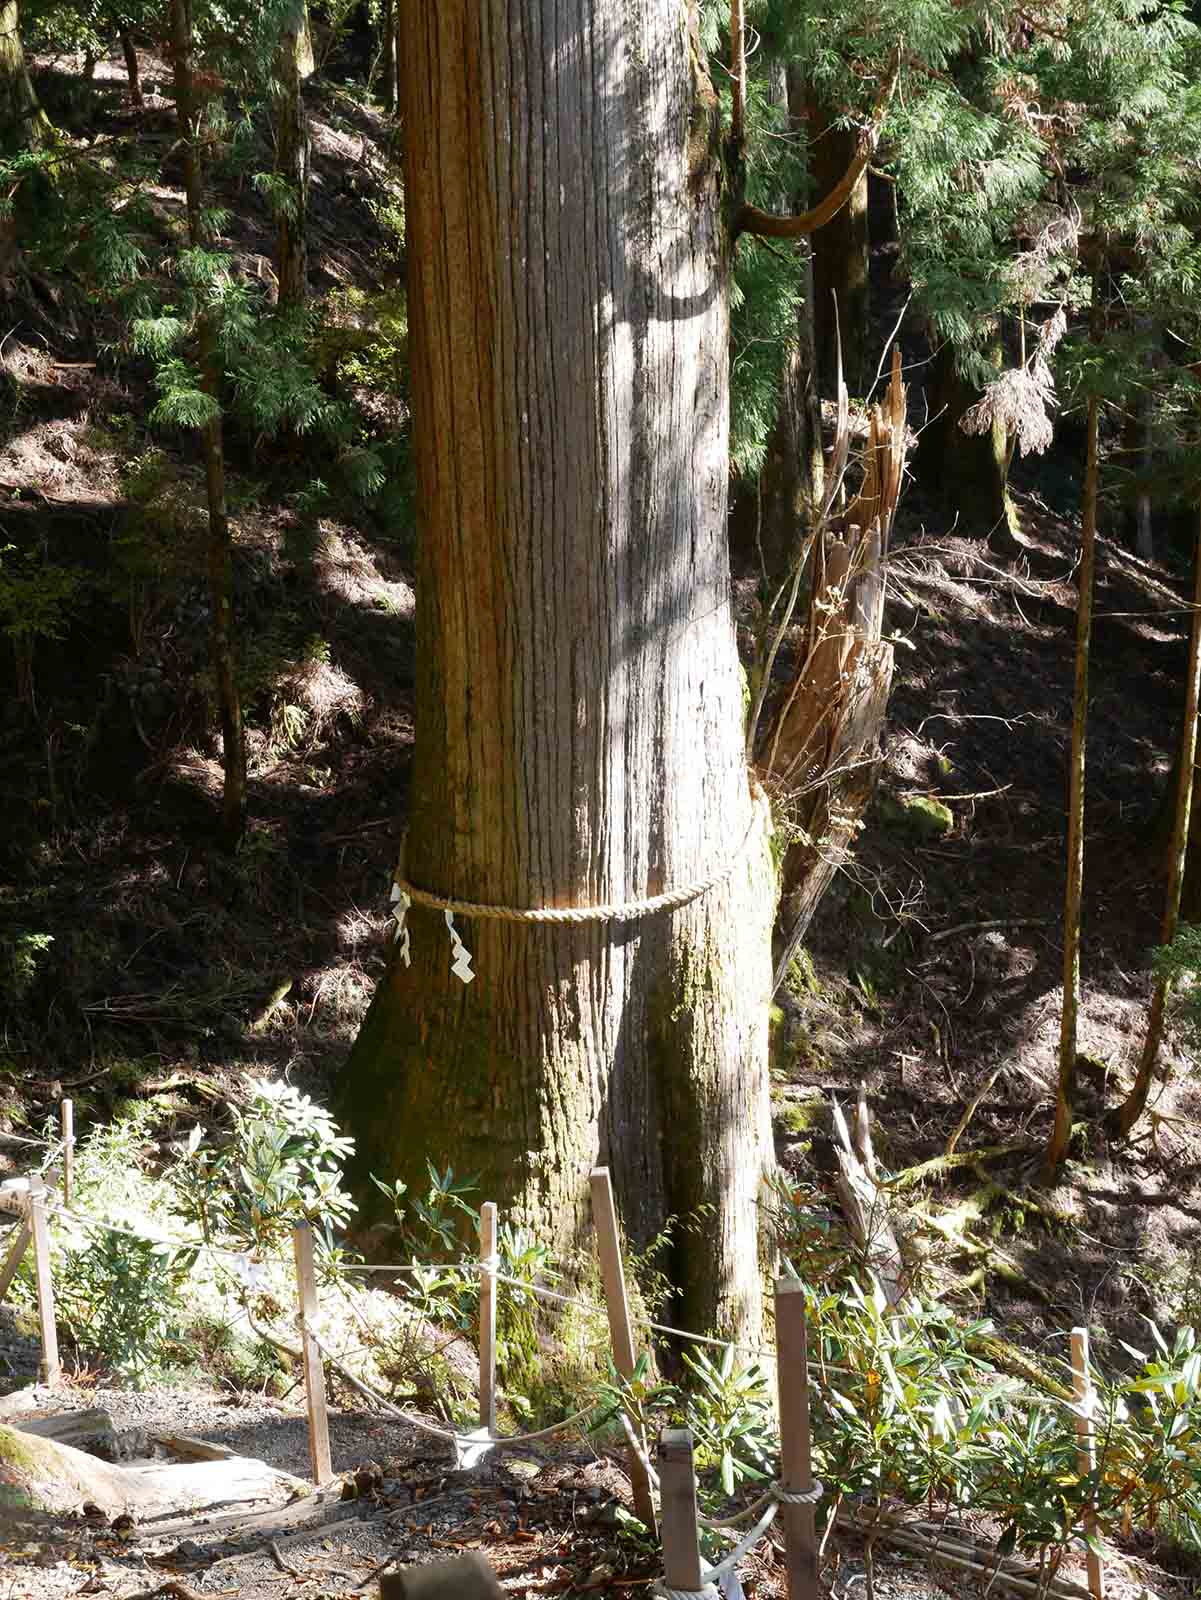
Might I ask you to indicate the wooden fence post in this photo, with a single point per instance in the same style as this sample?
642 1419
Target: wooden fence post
67 1117
51 1368
621 1333
488 1316
1083 1390
20 1237
314 1372
677 1496
796 1470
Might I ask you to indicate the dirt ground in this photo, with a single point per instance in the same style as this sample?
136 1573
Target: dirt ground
544 1517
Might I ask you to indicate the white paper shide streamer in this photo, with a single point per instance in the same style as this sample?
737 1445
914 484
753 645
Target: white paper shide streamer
460 956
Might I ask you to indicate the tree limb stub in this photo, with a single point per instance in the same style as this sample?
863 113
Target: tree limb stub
767 225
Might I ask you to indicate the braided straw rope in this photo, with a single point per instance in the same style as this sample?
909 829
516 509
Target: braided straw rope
629 911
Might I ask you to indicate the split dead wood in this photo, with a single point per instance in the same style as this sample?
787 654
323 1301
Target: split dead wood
50 1476
317 1508
818 753
866 1214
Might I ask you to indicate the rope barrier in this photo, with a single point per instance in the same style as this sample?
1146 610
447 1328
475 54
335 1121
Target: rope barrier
626 911
466 1265
743 1549
776 1494
475 1436
17 1138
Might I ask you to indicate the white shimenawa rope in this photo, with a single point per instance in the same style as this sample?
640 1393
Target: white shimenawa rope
404 894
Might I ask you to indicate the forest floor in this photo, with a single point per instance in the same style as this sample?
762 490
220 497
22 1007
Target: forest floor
145 966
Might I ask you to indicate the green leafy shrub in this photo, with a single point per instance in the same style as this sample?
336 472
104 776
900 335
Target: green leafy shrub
281 1163
121 1298
35 602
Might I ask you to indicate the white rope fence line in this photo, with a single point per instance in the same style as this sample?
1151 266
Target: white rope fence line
37 1144
473 1436
774 1496
252 1261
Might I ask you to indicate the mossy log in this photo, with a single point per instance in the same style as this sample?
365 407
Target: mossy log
43 1475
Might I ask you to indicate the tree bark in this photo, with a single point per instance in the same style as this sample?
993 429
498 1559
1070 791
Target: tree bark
387 48
791 480
1128 1113
23 124
579 698
1062 1132
292 158
132 70
967 471
840 258
220 564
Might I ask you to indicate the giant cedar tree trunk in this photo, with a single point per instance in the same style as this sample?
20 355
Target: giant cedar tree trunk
579 700
967 471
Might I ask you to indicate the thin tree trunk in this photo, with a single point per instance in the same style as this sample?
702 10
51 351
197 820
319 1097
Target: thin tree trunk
840 258
23 124
967 471
791 480
578 690
1128 1113
132 70
292 160
387 45
220 565
1062 1132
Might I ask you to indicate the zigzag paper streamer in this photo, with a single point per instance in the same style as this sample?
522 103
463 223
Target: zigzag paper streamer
460 955
400 931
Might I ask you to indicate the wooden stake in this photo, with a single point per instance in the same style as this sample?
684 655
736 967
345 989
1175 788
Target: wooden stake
488 1316
1082 1389
22 1234
792 1375
314 1372
51 1369
67 1114
677 1492
621 1333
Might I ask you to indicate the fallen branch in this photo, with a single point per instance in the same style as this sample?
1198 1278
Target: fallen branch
1022 1578
284 1566
950 1162
991 922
